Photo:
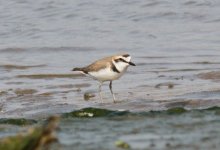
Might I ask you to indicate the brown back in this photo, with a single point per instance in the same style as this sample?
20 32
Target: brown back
99 64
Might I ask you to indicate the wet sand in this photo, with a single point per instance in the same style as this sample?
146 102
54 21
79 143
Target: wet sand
156 83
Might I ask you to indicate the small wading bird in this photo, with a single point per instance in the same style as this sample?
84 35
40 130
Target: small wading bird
107 69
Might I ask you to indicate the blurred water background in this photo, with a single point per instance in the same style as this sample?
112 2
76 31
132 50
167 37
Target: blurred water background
174 44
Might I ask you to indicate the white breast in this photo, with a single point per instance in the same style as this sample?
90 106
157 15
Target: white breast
106 75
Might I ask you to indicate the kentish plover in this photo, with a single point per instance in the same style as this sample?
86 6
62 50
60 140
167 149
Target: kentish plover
107 69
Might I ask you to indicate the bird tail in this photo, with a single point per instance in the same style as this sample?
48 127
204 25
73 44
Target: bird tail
80 69
77 69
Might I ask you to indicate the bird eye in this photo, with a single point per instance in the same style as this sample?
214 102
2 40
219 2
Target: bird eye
121 59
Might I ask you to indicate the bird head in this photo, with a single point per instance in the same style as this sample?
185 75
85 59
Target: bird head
124 60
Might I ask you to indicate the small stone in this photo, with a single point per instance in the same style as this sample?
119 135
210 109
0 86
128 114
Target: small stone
2 92
122 144
21 92
170 86
87 96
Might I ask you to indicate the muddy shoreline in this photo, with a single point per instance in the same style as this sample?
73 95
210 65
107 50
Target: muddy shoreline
180 91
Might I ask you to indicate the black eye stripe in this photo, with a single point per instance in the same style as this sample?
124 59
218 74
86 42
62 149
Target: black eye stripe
121 59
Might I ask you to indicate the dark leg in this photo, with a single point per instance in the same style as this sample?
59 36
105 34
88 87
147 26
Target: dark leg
100 91
110 87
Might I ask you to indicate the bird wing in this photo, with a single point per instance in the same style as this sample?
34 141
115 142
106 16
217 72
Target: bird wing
99 64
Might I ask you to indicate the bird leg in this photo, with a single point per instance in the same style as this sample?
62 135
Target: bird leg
110 87
100 91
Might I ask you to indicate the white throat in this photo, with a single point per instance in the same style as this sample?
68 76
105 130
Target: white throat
122 66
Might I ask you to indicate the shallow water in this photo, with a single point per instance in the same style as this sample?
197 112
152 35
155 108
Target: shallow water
153 130
174 44
92 128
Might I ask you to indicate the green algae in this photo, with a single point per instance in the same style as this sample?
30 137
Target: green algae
98 112
36 138
176 110
181 110
20 142
19 121
89 112
215 109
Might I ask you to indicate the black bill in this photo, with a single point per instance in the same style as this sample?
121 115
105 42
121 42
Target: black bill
131 63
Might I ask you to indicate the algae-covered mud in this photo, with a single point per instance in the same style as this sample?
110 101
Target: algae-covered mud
35 138
174 128
93 128
162 103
